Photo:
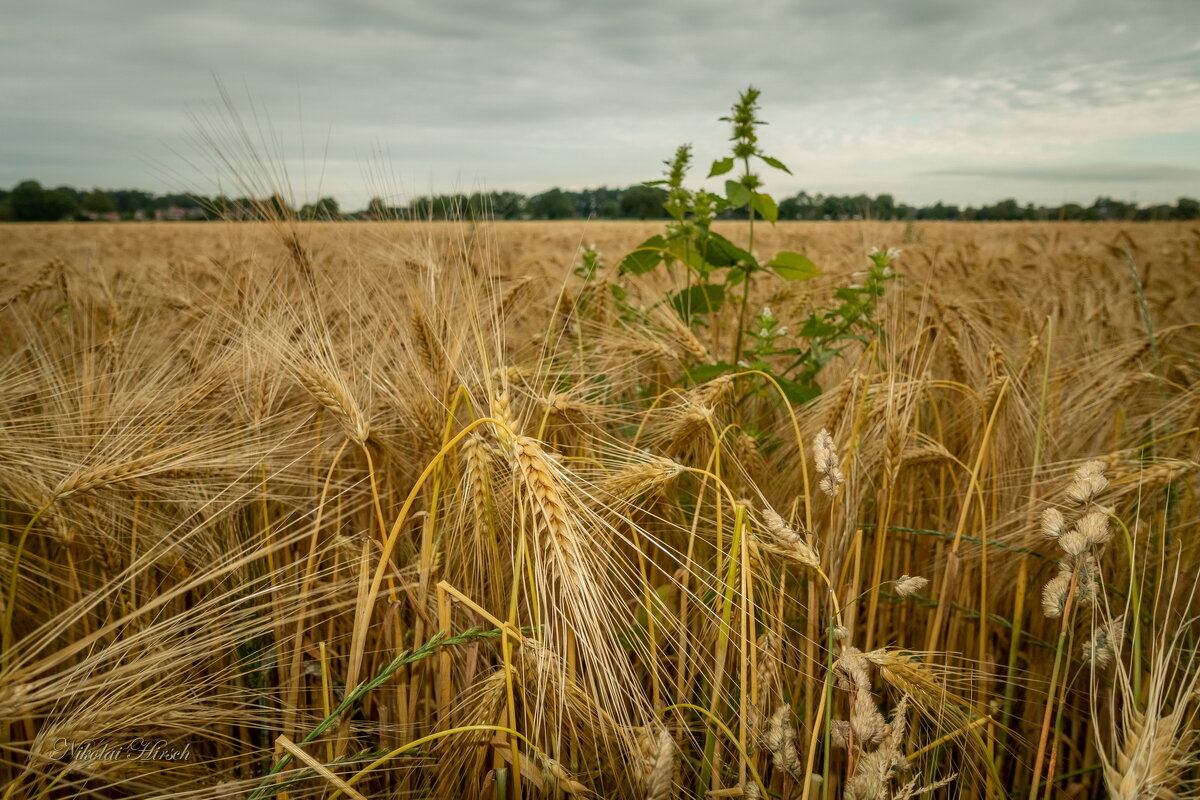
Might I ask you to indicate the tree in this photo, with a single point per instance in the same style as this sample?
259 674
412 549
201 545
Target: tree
1006 209
506 205
1187 208
802 205
553 204
98 202
885 207
324 208
29 202
130 201
276 207
377 209
643 202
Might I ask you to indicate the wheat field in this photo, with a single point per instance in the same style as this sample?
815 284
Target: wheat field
380 510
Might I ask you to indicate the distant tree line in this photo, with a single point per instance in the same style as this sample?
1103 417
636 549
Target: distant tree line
646 202
29 201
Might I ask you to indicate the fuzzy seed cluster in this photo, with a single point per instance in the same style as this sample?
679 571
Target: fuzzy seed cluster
1079 541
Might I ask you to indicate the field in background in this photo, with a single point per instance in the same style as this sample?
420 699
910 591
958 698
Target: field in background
519 248
243 468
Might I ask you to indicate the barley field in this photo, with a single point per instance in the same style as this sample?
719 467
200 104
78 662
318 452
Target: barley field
381 510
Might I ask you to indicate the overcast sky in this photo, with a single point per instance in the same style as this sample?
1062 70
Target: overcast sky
956 100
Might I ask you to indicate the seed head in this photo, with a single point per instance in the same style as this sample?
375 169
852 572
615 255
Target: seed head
840 733
1089 482
1074 543
908 585
657 762
830 483
1105 644
866 722
1087 585
824 453
826 461
782 540
780 739
1053 523
1094 527
1054 595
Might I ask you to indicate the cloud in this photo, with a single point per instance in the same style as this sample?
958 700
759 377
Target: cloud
875 94
1098 173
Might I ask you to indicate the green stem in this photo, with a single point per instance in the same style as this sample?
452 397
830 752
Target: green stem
737 348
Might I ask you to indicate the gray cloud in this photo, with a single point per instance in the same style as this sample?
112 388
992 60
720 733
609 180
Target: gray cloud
531 93
1099 173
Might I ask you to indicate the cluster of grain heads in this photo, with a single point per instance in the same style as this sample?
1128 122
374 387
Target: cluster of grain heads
876 764
866 726
1078 577
1078 582
826 461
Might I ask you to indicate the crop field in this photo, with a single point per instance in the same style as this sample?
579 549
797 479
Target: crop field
497 510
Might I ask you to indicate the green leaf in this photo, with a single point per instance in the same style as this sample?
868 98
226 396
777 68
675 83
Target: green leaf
799 393
647 256
816 328
793 266
687 251
703 299
737 194
720 252
852 298
776 163
765 204
720 167
707 372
